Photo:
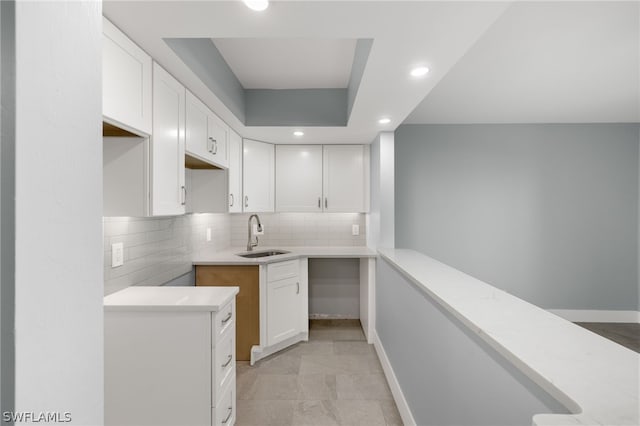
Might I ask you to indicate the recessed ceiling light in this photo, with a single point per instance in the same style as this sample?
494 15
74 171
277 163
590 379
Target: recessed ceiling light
384 121
298 133
257 5
419 71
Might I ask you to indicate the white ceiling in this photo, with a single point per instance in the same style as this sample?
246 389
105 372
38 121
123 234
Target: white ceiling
562 62
289 63
490 61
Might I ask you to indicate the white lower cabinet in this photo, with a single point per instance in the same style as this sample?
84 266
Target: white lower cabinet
170 367
287 301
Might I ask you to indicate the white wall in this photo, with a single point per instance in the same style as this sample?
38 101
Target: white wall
58 306
381 219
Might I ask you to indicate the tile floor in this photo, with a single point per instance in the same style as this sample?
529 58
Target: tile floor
334 379
625 334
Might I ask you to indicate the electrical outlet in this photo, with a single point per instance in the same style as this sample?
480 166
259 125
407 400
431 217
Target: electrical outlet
117 255
208 234
355 229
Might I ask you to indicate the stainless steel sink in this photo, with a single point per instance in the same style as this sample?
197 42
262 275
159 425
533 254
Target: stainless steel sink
262 254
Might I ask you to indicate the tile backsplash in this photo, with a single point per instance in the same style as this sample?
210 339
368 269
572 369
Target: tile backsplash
157 250
302 229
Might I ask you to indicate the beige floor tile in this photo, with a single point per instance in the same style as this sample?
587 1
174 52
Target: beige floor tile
391 413
353 348
317 386
360 413
334 379
336 364
363 386
245 380
281 363
318 347
315 413
337 334
273 387
264 413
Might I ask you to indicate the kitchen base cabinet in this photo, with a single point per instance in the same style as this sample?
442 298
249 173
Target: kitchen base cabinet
247 278
286 299
170 367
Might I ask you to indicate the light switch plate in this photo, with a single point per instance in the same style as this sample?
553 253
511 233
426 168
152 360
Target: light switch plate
117 255
208 234
355 229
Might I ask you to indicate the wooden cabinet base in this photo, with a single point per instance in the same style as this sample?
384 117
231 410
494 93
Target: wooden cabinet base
247 301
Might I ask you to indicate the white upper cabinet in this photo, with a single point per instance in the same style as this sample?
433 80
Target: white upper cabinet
218 139
196 128
344 178
126 81
207 135
258 176
299 178
168 194
235 172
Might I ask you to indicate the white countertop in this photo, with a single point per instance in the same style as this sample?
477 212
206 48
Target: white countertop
230 256
170 298
593 377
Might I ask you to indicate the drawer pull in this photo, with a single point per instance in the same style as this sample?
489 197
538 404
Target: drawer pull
228 415
226 320
229 358
298 288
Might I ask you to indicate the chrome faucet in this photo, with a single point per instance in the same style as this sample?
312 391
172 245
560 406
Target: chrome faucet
251 244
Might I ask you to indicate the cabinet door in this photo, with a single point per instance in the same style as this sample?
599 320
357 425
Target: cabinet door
284 309
235 172
258 176
196 128
218 136
344 178
299 178
168 195
126 81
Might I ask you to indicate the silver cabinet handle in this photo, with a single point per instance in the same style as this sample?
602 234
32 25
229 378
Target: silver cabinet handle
319 202
215 147
226 320
326 203
210 145
229 358
246 201
297 288
232 200
184 195
228 415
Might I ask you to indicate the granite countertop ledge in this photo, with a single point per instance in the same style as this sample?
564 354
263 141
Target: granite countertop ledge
595 378
208 299
230 256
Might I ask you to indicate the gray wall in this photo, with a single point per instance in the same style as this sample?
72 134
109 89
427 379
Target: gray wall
448 375
7 206
548 213
334 288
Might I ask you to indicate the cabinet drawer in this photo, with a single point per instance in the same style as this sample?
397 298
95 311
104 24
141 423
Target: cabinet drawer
224 362
222 321
225 413
281 270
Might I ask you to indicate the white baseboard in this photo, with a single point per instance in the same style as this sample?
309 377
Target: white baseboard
396 391
584 315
